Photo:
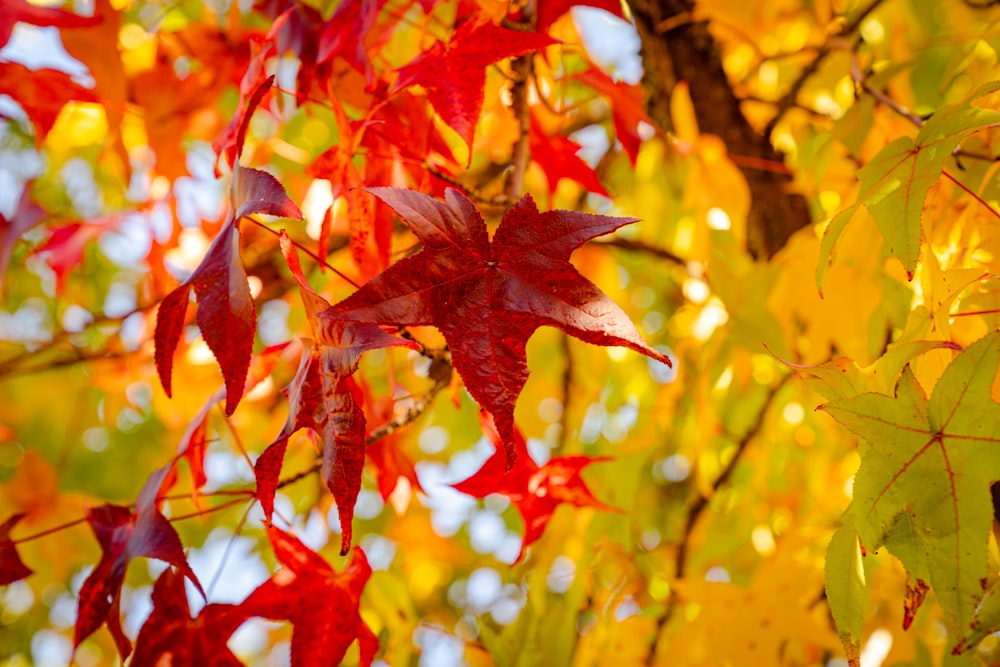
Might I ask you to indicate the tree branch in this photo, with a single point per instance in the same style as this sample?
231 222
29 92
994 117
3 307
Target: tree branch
790 99
676 48
698 507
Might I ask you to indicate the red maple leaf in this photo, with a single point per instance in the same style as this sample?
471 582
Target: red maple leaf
557 157
454 73
12 568
535 491
15 11
324 398
63 250
346 35
42 93
628 109
124 535
226 315
488 297
322 605
171 637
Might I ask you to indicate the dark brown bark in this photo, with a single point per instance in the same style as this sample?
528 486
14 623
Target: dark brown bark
677 48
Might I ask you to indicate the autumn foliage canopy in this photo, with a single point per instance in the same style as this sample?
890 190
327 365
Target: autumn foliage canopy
446 332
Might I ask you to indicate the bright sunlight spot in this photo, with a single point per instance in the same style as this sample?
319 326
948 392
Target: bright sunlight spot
763 540
318 199
617 354
872 30
718 219
793 413
199 354
696 290
875 650
711 316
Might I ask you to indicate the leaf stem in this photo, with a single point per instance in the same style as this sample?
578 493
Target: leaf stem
298 245
47 531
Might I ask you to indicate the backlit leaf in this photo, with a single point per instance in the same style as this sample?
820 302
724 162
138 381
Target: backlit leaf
894 184
324 398
12 568
171 636
923 488
321 604
453 72
488 297
535 490
124 534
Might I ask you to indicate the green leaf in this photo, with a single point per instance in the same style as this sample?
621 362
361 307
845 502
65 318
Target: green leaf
894 184
923 488
987 620
846 588
843 378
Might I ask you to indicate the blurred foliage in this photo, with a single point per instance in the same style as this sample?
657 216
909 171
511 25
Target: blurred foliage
731 483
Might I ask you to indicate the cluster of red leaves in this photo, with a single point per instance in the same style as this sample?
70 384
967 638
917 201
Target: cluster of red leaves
324 398
226 314
487 296
322 605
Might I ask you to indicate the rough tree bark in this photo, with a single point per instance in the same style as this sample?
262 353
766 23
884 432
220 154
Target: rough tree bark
677 47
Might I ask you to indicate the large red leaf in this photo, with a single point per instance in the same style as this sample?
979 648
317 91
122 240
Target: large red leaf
226 315
322 605
488 297
171 637
124 535
454 73
324 398
535 491
12 568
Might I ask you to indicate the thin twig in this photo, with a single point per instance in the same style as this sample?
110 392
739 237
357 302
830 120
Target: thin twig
521 153
698 507
441 372
298 245
791 97
567 394
640 246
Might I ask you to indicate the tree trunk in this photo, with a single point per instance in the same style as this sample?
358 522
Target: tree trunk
677 48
